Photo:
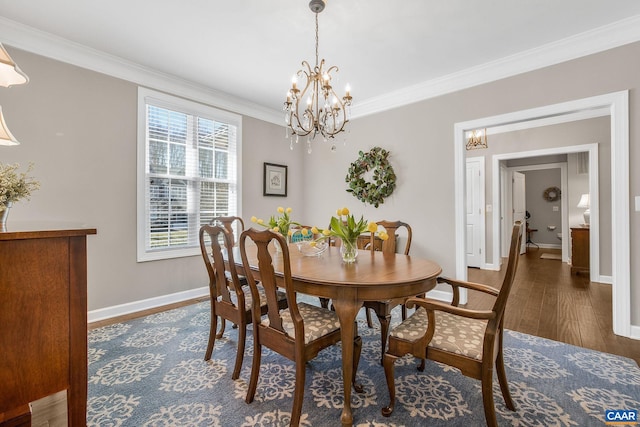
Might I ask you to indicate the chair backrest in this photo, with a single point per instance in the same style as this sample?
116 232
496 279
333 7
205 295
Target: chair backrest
512 264
222 279
268 279
228 223
390 245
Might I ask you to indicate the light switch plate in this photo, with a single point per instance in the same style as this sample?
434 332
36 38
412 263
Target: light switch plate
556 208
637 203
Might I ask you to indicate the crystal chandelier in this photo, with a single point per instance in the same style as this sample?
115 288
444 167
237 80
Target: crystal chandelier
316 108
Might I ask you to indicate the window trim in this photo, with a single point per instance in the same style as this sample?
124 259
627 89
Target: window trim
190 107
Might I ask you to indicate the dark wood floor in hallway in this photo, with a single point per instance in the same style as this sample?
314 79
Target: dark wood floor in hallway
549 302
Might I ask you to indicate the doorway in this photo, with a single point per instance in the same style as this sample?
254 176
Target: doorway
614 105
562 231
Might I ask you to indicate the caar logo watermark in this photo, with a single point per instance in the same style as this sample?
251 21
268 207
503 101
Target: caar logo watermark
614 417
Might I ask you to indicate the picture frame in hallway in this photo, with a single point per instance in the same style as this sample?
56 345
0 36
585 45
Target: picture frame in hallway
275 180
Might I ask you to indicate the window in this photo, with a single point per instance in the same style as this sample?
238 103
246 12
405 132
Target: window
188 157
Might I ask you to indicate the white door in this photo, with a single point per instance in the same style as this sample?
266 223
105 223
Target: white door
475 217
519 203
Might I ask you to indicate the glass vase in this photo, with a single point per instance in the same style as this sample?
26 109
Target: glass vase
349 250
278 248
4 214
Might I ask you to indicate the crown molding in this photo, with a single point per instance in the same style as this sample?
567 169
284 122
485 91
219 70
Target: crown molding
45 44
587 43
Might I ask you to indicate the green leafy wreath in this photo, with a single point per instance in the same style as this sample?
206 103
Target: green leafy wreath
384 178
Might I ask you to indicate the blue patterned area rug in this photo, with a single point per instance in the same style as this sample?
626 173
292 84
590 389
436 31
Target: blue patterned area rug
151 372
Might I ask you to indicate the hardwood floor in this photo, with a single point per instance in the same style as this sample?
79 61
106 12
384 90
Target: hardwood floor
549 302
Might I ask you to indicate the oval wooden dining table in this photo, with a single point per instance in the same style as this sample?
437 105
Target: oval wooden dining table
373 277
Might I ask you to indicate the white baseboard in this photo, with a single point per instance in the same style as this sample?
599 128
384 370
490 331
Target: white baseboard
549 246
605 279
493 267
135 306
635 332
445 296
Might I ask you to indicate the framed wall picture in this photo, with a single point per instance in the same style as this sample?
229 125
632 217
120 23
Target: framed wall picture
275 180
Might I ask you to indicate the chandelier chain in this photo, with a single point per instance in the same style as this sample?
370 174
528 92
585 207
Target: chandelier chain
317 56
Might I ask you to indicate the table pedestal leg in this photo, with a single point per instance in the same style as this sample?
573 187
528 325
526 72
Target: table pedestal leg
347 311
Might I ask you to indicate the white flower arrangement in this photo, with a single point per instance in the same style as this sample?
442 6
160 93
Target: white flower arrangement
15 186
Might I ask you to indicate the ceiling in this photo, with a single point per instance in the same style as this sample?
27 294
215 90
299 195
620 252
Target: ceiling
390 52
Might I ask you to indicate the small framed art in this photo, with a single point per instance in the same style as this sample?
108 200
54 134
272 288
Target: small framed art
275 180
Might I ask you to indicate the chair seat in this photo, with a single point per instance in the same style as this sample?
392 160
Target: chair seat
455 334
248 300
242 279
318 321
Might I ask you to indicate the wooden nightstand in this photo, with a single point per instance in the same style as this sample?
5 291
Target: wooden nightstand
579 250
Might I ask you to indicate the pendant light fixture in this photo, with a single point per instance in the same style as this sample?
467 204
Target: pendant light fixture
10 74
313 107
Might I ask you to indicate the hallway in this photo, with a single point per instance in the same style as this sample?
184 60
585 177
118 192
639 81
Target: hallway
547 301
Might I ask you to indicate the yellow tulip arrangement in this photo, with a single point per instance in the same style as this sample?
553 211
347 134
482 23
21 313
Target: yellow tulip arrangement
346 228
279 223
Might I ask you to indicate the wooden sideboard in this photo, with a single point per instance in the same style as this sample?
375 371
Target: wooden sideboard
43 318
579 250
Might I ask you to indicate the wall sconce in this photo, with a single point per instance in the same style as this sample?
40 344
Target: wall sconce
477 139
584 204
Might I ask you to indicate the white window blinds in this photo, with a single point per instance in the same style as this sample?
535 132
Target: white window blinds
190 173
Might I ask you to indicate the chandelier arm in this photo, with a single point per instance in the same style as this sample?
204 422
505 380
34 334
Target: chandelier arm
305 130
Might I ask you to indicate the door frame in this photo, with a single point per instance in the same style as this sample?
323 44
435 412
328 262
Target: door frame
616 105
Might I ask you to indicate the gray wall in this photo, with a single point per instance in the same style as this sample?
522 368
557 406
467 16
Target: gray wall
88 173
542 214
79 129
420 138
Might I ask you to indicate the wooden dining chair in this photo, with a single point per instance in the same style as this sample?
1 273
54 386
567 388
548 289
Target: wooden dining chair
229 299
228 222
383 308
470 340
298 332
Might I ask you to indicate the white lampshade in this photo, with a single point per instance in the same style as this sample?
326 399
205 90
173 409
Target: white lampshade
10 73
584 204
584 201
6 138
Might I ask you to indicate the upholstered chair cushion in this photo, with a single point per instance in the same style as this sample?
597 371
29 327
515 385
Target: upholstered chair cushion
248 299
453 333
318 321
